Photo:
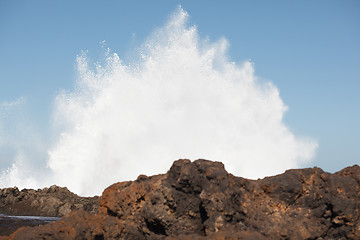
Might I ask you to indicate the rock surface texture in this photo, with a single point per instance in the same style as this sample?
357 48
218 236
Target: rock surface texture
50 202
200 200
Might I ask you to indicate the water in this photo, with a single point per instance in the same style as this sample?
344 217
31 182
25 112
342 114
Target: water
30 218
8 224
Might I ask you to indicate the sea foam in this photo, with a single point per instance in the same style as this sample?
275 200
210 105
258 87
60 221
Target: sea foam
181 98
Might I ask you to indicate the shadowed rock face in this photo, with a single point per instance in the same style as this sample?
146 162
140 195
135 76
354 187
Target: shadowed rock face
51 202
200 200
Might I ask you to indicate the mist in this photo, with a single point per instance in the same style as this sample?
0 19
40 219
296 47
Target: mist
182 97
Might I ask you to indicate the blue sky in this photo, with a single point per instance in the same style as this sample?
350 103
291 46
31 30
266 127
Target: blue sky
310 50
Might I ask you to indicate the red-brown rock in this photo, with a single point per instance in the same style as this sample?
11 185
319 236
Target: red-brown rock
200 200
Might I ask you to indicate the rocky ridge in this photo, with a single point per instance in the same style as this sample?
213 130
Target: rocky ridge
200 200
50 202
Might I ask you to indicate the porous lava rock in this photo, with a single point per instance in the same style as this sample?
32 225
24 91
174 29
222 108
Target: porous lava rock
200 200
50 202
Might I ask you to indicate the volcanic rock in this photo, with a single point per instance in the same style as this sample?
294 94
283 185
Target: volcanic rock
200 200
50 202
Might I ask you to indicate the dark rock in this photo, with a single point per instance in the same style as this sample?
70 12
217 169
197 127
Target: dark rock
9 224
51 202
200 200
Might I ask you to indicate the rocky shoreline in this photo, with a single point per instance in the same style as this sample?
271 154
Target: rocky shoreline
53 202
201 200
9 224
